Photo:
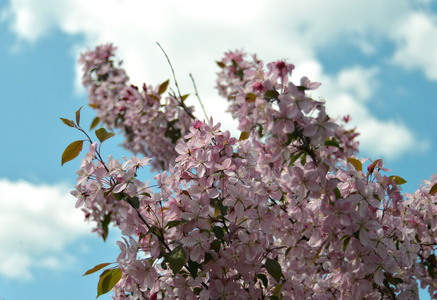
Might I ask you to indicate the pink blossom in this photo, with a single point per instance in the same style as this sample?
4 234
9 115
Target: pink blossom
286 211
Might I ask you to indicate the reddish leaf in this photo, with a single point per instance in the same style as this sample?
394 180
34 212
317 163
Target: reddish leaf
78 116
95 122
71 152
185 97
397 179
244 135
108 279
220 64
372 166
250 97
68 122
96 268
356 163
433 190
103 135
154 97
163 87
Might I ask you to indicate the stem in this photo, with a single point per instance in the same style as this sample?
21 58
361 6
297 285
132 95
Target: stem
161 239
99 158
181 103
198 97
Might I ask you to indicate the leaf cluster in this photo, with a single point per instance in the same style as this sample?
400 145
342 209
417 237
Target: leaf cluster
73 150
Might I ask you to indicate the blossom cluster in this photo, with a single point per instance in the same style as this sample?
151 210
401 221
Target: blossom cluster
150 123
286 211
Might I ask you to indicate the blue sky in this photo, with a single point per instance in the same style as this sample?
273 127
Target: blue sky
377 61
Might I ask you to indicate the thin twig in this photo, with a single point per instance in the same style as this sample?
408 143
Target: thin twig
181 102
174 76
161 239
198 97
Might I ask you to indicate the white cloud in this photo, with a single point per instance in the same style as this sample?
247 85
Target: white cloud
195 33
358 81
417 44
38 222
347 93
389 138
32 19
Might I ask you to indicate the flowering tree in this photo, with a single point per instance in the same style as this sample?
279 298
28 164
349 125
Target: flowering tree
285 211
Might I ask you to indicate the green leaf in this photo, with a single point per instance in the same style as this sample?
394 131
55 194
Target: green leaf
208 258
263 279
433 190
346 243
135 201
105 223
303 159
217 210
294 157
96 268
119 196
142 235
296 134
176 259
356 234
163 87
356 163
68 122
151 230
397 179
392 293
287 251
218 231
215 245
277 289
337 193
271 94
71 152
146 194
274 269
193 267
95 122
164 265
223 209
103 135
108 279
332 143
397 280
431 271
174 223
393 280
78 116
432 264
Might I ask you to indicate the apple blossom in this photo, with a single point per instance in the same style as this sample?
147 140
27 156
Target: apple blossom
287 211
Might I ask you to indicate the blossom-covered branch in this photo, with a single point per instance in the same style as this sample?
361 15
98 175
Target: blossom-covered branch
151 124
286 211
